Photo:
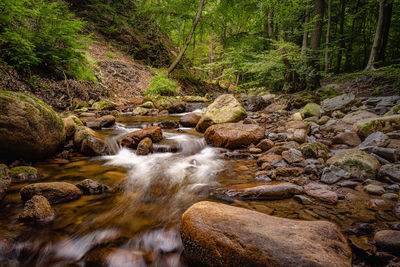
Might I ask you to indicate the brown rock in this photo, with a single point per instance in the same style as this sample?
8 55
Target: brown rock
144 147
5 180
106 121
265 145
233 135
215 234
347 138
37 209
274 107
289 171
321 192
298 131
259 192
190 120
89 143
388 240
55 192
132 140
268 158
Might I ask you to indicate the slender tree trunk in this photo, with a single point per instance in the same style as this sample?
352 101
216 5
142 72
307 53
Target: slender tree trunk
387 19
188 39
271 24
305 34
210 57
315 45
328 32
341 31
378 37
348 62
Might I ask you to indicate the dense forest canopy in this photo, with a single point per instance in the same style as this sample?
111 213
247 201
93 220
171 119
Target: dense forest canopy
277 45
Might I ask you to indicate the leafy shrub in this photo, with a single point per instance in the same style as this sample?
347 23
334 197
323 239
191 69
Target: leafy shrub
41 33
161 85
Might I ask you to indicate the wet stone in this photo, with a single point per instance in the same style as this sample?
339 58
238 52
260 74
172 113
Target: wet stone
91 187
37 209
321 192
333 174
388 240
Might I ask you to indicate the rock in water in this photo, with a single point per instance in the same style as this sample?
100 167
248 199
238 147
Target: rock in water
388 240
131 140
37 209
5 180
29 128
233 135
144 147
321 192
23 174
190 120
215 234
224 109
55 192
91 187
89 143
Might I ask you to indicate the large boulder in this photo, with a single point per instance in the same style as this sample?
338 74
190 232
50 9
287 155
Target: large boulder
233 135
89 143
215 234
390 172
358 163
385 124
357 116
5 180
29 128
55 192
224 109
132 140
340 102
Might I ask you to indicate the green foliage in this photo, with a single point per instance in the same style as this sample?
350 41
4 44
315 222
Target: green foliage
161 85
110 55
39 33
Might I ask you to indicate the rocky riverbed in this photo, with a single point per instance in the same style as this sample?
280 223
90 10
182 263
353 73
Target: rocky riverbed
317 185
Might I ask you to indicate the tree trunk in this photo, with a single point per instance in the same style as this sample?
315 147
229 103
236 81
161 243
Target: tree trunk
349 56
328 32
341 31
378 37
210 58
188 39
271 25
305 34
315 45
387 19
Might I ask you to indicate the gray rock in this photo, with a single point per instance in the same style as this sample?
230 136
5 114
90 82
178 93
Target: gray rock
349 184
338 103
303 199
390 171
333 174
393 188
292 155
394 135
255 103
91 187
277 137
354 117
381 160
382 101
378 139
313 166
384 152
374 189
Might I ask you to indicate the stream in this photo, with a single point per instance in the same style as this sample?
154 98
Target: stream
138 223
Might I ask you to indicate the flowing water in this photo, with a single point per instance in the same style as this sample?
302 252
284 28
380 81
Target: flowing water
138 223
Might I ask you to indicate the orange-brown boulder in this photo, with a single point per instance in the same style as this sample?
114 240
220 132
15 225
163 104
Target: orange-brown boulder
215 234
132 140
233 135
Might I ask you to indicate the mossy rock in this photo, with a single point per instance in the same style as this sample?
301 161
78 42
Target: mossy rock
385 124
195 98
314 150
225 109
358 163
23 174
393 111
5 180
104 105
89 143
311 110
78 103
148 104
174 104
71 122
140 111
29 128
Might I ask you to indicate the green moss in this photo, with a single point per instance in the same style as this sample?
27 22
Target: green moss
104 105
23 170
351 163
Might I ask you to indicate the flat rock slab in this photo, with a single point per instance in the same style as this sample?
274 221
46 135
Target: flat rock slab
215 234
56 192
233 135
321 192
259 192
